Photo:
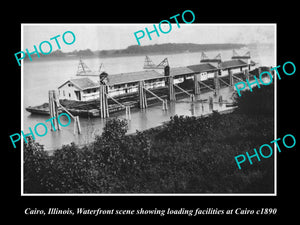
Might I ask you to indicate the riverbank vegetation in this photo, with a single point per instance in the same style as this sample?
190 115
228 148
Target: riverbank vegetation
186 155
140 50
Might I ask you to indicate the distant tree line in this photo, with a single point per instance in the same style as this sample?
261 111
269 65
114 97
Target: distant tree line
179 47
186 155
147 49
59 53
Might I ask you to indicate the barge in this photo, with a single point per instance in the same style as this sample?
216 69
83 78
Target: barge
91 108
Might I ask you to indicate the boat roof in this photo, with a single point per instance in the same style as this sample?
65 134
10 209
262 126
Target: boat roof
82 83
202 67
131 77
175 71
235 63
92 81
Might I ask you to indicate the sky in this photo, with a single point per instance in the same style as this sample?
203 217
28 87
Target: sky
120 36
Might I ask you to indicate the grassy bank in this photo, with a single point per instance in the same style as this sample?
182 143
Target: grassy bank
186 155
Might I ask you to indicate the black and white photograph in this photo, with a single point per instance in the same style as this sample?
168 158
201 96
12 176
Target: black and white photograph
145 110
169 116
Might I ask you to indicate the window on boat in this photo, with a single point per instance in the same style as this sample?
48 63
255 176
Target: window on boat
89 91
131 84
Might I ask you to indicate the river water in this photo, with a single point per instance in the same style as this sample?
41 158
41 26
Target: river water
41 76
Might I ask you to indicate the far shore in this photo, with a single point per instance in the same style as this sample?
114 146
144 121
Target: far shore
68 57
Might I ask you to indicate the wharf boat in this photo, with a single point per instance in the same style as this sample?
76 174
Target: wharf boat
91 108
81 95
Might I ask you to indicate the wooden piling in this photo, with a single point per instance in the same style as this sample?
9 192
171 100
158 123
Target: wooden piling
53 108
211 103
171 89
77 127
142 95
128 114
106 99
101 101
50 103
192 97
56 104
193 109
216 83
220 98
50 106
230 77
103 91
165 104
196 84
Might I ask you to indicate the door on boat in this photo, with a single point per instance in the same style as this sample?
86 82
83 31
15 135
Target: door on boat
78 95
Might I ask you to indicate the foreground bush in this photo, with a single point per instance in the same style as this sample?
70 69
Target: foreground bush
187 155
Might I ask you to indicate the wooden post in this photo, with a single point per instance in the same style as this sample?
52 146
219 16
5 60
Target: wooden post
50 106
53 108
103 89
211 103
50 103
55 100
217 83
220 98
172 96
247 74
140 90
165 104
106 100
78 125
230 77
75 125
128 114
192 97
196 84
142 95
101 101
193 109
